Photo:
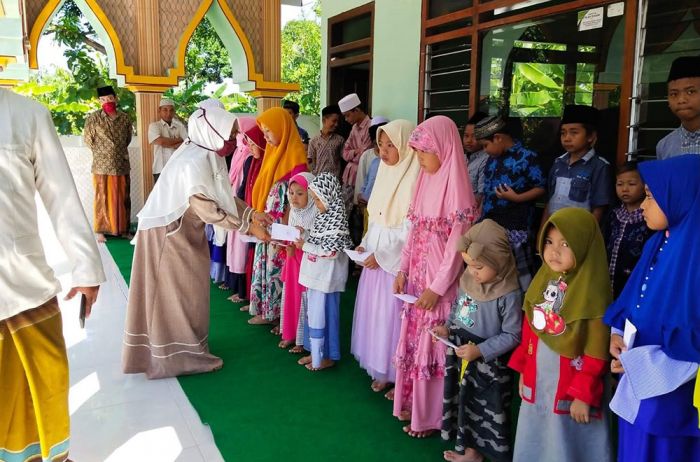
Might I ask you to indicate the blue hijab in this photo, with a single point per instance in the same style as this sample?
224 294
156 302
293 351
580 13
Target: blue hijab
668 297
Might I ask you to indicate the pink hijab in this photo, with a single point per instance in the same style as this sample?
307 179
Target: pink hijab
247 126
242 152
451 182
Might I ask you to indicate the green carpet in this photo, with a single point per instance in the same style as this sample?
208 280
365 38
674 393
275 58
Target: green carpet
262 406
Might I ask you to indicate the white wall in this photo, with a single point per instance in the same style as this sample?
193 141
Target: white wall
395 73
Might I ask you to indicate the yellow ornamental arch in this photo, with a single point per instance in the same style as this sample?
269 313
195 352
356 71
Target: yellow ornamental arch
217 11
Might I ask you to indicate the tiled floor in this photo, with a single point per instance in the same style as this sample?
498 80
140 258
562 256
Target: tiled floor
118 417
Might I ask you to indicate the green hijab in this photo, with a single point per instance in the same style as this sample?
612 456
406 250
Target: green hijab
586 289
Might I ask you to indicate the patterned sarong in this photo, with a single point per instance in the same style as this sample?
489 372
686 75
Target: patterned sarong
34 422
112 204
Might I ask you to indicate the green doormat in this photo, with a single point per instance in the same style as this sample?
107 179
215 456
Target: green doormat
262 406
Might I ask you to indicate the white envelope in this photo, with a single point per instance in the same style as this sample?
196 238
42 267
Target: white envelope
443 340
629 334
406 298
280 232
359 257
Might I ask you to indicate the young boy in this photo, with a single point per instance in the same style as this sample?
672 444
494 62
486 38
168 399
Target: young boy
476 156
579 178
684 101
326 149
513 180
292 108
626 231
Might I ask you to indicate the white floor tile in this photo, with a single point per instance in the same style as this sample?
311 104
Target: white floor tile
117 417
191 455
211 453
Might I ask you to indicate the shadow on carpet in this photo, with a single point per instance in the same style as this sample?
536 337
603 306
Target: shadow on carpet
262 406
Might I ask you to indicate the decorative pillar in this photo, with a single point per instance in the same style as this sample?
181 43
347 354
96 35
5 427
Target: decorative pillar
147 100
272 51
272 40
146 112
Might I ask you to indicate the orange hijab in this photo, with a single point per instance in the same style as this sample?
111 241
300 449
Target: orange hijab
280 162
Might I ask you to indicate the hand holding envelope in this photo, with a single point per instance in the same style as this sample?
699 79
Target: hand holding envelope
356 256
285 233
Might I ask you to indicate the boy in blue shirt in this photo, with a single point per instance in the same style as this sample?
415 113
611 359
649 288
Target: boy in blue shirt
684 102
579 178
513 180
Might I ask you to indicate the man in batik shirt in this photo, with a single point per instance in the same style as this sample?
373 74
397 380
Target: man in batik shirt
108 134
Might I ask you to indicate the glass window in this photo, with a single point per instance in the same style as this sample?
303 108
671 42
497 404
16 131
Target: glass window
441 7
531 70
446 81
351 30
671 30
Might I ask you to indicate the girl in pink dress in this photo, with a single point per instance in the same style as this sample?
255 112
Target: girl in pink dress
443 208
302 213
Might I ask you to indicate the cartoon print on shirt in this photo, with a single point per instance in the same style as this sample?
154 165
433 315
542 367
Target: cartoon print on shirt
545 315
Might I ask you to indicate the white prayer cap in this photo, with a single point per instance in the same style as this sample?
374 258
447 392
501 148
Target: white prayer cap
349 102
210 104
166 102
376 120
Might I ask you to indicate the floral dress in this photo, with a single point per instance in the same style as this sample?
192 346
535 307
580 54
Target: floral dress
266 286
417 356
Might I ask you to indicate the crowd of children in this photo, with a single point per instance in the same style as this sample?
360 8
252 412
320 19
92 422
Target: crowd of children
446 342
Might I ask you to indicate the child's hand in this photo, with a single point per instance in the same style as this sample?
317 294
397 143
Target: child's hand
505 192
468 352
427 300
616 367
520 386
360 249
370 262
299 244
617 346
399 283
580 412
440 331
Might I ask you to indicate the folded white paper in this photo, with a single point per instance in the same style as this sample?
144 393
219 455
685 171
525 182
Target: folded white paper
406 298
629 334
281 232
443 340
249 239
359 257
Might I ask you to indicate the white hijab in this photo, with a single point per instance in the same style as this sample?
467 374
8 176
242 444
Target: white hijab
193 169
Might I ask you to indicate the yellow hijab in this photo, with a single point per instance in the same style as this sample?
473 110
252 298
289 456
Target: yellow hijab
393 188
280 162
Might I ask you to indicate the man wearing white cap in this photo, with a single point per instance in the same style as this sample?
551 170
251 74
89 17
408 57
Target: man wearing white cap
358 141
165 135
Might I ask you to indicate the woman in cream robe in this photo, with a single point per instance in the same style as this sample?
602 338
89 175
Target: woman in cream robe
167 323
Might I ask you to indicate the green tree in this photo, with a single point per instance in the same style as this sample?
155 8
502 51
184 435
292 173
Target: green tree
301 62
70 95
206 58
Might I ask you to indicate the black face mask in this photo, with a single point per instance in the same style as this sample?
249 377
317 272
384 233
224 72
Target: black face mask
229 145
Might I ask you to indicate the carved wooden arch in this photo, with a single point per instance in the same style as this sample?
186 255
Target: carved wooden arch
227 26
